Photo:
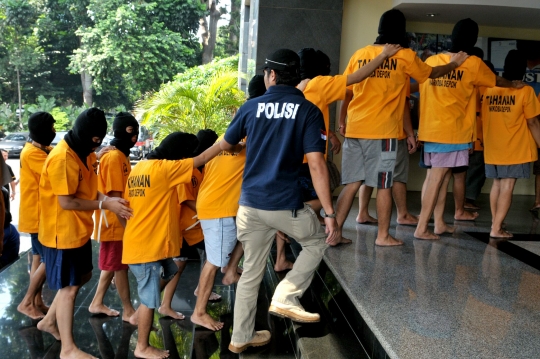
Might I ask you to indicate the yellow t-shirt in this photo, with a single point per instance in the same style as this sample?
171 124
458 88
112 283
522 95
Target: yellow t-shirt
507 138
479 137
322 91
377 107
402 135
189 192
448 103
220 189
114 169
63 175
153 231
32 160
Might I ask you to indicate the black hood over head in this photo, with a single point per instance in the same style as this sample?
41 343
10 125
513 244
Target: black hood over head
392 29
122 138
515 65
308 63
176 146
464 36
206 138
41 128
90 123
256 87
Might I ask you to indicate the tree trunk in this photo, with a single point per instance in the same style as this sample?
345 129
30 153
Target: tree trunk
20 99
234 26
209 32
86 80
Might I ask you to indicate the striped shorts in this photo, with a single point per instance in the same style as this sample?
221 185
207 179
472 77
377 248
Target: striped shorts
371 161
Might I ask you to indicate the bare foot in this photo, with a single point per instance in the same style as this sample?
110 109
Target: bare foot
425 234
134 319
52 329
535 207
127 314
206 321
214 297
75 353
229 279
168 312
501 233
472 205
283 266
343 240
42 307
30 311
366 220
444 229
408 220
150 353
103 309
466 216
388 241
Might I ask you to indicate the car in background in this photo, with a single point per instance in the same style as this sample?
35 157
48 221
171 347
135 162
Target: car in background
59 137
144 145
14 143
106 141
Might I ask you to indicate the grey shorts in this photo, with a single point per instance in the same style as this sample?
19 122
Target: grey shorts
371 161
522 170
401 172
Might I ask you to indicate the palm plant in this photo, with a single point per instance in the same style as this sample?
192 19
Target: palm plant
189 106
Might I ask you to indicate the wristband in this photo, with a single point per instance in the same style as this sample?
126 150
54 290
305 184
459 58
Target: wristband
333 215
100 203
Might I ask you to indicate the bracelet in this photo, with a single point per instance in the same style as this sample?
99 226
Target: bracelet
333 215
100 203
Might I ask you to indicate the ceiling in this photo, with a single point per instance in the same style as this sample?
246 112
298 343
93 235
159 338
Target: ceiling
518 14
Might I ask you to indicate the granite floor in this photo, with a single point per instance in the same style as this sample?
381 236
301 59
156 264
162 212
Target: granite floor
463 296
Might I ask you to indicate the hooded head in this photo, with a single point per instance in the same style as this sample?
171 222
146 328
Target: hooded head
392 29
206 139
323 64
125 129
515 65
464 36
256 87
176 146
41 127
308 63
90 123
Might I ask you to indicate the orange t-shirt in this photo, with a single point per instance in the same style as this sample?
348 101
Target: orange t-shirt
448 105
507 138
153 231
479 142
402 135
220 189
377 107
32 160
322 91
114 169
189 192
64 174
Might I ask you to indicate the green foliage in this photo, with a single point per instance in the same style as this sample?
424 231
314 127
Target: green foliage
228 36
63 122
133 48
201 98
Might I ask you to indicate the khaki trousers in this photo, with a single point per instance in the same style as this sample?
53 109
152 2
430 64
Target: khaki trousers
256 231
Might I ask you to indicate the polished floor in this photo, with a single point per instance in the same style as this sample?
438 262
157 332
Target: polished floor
463 296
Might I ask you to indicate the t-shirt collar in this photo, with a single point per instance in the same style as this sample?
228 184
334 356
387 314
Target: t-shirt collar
279 89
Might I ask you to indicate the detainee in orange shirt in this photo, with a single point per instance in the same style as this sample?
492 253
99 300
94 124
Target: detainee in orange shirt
113 172
448 121
33 156
322 90
374 117
151 236
511 138
68 197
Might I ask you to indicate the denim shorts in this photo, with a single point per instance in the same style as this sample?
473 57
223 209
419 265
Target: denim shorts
37 247
148 277
219 239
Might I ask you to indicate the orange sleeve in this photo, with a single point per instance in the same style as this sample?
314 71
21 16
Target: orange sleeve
531 105
484 76
64 176
418 70
111 169
179 171
185 192
335 88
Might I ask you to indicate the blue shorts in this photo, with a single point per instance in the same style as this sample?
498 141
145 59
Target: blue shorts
148 277
219 239
12 244
508 171
67 267
37 247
